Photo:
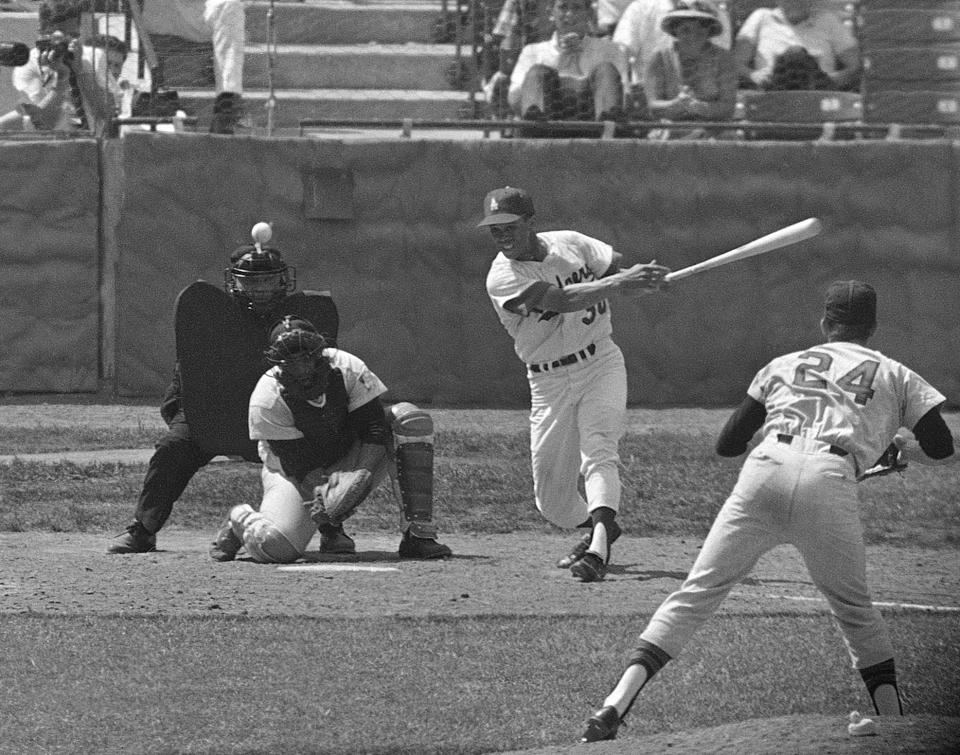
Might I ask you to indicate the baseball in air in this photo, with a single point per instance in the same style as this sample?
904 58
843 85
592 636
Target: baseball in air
262 233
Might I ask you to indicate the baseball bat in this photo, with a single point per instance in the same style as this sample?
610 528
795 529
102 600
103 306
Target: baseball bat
791 234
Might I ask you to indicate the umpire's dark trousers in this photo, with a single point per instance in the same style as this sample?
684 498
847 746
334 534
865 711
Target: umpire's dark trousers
176 460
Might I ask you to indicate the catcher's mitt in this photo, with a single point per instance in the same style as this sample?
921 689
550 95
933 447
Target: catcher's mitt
336 498
891 460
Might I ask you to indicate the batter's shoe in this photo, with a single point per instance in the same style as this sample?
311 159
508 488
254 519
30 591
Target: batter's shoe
422 548
226 545
602 725
335 540
584 544
590 568
135 539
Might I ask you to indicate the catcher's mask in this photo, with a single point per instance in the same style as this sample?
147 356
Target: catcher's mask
297 348
259 277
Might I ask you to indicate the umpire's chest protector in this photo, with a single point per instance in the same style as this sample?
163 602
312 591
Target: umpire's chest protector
220 347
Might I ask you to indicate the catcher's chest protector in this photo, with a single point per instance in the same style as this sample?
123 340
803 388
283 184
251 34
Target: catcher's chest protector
220 348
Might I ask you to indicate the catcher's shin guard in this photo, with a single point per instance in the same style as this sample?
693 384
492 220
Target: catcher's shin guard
264 542
413 437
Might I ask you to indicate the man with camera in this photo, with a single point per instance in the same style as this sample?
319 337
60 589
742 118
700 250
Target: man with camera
58 86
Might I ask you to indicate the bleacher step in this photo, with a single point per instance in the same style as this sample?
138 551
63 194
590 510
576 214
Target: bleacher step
342 22
294 105
361 66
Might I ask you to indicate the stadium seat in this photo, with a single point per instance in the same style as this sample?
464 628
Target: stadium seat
826 107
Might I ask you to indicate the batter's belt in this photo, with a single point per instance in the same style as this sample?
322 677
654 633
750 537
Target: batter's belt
577 356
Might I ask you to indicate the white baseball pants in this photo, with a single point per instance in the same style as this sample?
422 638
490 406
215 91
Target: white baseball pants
577 416
797 494
283 507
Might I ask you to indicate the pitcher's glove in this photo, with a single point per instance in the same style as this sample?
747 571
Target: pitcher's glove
891 460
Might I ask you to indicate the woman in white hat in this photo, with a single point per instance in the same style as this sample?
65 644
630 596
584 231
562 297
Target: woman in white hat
690 77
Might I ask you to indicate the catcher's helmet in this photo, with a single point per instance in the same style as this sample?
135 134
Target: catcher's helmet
292 338
258 276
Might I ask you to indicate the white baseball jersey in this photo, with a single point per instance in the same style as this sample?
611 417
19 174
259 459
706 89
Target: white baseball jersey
823 35
515 288
844 394
271 419
595 51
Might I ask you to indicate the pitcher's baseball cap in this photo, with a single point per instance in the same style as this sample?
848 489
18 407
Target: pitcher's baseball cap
505 205
851 303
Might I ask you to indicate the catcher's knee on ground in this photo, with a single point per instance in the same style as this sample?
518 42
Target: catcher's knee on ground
261 538
413 439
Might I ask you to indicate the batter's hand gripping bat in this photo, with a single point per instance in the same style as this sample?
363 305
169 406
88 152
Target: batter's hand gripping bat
791 234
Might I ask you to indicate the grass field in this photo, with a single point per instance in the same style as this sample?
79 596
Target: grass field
489 681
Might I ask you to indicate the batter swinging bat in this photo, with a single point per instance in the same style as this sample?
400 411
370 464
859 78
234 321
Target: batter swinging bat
792 234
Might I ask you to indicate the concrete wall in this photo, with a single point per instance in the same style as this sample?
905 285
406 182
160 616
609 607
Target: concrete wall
50 262
389 227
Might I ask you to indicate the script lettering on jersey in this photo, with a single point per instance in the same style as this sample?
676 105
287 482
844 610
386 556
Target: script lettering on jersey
579 276
857 381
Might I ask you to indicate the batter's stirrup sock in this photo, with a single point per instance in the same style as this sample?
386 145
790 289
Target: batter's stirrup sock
879 675
652 658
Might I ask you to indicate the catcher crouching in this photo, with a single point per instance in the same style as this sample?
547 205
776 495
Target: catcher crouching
326 441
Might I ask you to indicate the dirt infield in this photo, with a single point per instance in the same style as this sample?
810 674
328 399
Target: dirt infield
509 574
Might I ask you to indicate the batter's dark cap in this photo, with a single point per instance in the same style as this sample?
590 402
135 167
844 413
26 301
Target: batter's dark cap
505 205
851 303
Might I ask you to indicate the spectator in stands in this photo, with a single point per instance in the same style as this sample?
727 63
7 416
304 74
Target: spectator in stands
59 88
114 54
778 35
691 78
572 75
221 21
519 22
640 33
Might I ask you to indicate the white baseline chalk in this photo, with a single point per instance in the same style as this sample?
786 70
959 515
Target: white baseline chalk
881 604
335 567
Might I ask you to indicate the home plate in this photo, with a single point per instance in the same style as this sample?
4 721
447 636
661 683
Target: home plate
335 567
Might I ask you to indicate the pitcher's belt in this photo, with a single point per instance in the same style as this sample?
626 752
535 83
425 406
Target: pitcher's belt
828 447
577 356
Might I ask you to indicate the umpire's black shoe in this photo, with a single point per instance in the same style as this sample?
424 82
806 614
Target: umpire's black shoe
135 539
422 548
602 725
583 544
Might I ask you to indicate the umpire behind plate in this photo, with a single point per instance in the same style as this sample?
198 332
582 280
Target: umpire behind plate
326 442
220 336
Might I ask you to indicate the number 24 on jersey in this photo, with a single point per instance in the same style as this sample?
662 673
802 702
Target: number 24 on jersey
857 381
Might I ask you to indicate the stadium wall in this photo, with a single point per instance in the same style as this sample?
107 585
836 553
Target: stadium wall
389 228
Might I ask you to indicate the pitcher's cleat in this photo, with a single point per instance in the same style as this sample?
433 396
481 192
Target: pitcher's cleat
334 540
226 545
583 544
135 539
602 725
422 548
590 568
